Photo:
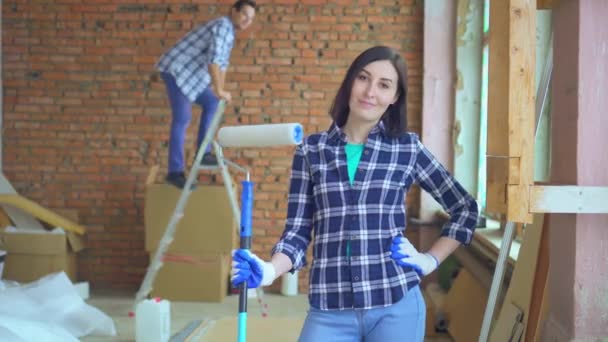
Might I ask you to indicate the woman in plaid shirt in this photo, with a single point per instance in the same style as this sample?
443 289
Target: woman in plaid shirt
348 187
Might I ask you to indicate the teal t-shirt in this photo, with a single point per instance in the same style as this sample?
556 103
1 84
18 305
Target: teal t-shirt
353 157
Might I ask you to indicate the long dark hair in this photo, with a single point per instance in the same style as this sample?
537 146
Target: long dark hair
240 3
395 117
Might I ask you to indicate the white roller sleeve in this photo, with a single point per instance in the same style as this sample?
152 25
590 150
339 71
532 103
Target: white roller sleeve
261 135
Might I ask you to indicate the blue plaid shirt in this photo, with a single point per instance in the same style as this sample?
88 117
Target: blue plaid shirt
189 58
369 213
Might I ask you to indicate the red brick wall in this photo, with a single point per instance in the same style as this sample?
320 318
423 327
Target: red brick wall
85 118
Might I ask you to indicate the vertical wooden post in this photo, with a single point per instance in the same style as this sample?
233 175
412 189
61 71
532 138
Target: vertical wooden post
511 108
545 4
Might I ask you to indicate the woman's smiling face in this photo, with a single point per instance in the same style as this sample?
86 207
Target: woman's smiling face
374 90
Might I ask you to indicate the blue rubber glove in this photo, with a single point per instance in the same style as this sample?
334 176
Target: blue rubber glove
405 254
246 266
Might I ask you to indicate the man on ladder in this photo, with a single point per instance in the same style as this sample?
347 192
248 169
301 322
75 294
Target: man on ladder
194 71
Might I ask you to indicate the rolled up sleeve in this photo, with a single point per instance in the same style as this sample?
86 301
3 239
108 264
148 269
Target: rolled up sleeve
221 44
446 190
298 225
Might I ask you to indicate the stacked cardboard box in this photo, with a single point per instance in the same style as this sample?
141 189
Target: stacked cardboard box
197 264
34 253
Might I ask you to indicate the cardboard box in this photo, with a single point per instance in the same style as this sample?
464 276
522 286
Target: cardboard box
207 227
193 278
31 256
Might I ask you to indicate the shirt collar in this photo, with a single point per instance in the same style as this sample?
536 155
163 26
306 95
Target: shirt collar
335 133
231 23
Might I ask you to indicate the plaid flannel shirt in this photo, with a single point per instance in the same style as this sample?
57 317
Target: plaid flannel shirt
189 58
369 214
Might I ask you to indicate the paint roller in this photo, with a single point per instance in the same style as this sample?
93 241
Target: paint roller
254 136
261 135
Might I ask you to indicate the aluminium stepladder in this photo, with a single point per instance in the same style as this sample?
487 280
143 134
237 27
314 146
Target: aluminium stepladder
157 260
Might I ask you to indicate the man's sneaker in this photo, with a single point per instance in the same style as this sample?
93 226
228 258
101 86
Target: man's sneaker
209 160
178 179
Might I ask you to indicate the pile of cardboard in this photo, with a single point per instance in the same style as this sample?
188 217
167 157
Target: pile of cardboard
197 264
46 243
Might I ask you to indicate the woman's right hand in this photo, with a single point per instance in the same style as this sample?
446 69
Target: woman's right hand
246 266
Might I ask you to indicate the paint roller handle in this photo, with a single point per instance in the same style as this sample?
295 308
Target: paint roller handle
246 266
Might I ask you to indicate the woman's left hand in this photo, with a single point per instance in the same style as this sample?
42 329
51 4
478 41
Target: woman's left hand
405 254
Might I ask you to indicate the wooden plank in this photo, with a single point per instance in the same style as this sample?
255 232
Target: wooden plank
520 290
522 107
538 303
538 324
511 107
568 199
519 203
498 109
41 212
498 80
509 332
18 217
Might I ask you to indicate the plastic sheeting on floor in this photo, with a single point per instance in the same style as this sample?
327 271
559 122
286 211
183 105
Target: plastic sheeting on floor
50 310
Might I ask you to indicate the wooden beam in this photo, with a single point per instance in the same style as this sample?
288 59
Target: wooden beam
41 213
498 88
511 107
545 4
497 180
498 81
522 107
539 298
568 199
521 286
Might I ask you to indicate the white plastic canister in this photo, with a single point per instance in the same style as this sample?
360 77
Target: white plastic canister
153 320
289 284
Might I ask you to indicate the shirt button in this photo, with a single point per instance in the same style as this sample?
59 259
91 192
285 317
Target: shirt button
356 278
366 152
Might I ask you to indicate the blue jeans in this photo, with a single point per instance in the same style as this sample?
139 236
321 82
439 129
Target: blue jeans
403 321
181 111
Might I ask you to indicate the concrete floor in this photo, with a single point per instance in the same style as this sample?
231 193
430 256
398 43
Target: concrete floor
118 306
